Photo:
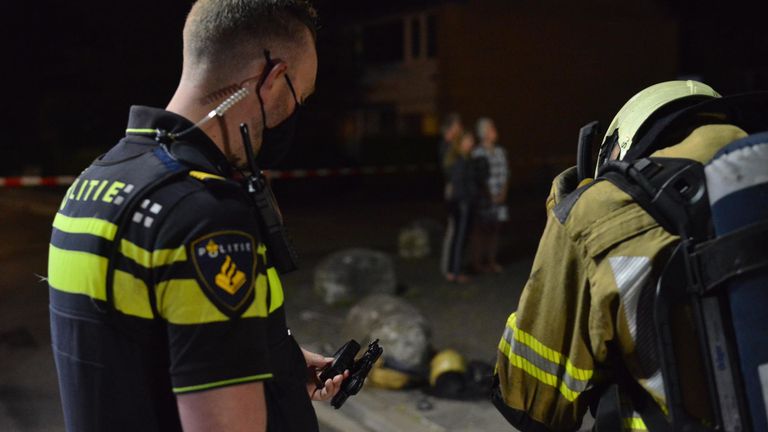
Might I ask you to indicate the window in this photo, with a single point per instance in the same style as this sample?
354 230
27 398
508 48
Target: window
383 43
431 36
416 37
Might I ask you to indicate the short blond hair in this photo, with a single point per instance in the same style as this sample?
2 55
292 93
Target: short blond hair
230 33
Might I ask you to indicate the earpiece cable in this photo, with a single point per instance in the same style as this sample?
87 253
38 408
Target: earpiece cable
216 112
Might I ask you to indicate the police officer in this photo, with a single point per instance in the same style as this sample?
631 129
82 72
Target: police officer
585 312
167 311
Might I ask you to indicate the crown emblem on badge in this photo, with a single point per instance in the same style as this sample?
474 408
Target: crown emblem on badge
212 248
230 279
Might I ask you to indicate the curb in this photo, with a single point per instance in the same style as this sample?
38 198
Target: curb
370 411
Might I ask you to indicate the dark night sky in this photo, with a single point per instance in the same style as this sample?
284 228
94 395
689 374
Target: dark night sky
81 64
74 68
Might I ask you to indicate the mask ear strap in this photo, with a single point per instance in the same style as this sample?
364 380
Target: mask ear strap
293 91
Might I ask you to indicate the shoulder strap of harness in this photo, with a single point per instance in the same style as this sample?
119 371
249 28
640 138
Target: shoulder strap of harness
731 255
671 190
173 170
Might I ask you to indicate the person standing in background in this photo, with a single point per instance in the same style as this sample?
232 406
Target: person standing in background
451 131
462 189
491 206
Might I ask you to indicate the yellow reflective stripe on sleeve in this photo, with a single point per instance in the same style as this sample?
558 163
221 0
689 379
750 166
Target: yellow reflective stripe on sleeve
546 352
182 301
252 378
162 257
131 295
85 225
531 369
77 272
147 259
258 307
275 290
634 423
541 362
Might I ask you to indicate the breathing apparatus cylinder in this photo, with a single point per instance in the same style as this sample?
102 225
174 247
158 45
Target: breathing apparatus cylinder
737 183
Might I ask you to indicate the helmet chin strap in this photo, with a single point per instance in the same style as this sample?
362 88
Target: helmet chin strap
587 135
607 150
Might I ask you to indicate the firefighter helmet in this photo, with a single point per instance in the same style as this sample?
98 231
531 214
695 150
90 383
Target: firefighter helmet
622 133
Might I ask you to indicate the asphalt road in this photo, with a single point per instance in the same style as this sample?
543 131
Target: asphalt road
28 394
325 216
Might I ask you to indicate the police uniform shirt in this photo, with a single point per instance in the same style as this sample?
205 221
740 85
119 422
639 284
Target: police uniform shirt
159 285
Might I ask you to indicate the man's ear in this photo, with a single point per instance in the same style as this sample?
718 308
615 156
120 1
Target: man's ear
273 75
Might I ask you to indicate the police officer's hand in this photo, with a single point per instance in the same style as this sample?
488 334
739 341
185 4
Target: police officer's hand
328 389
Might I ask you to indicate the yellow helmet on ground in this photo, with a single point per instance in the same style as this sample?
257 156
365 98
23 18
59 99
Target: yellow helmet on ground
446 361
388 378
622 133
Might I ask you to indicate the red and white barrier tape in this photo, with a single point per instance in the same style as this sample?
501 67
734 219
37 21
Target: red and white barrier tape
27 181
36 181
341 172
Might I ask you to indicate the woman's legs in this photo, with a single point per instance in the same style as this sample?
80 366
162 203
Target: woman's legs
455 241
477 252
492 246
483 246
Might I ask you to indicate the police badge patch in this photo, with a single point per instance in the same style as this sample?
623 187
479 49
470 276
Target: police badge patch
225 262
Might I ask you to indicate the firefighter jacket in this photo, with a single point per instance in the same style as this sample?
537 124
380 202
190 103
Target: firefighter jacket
585 306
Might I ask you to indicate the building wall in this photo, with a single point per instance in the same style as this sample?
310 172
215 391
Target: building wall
402 90
409 83
543 71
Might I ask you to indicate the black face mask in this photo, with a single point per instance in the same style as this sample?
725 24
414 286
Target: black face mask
276 141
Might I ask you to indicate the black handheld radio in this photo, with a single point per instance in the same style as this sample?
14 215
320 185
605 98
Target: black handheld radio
279 245
344 359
